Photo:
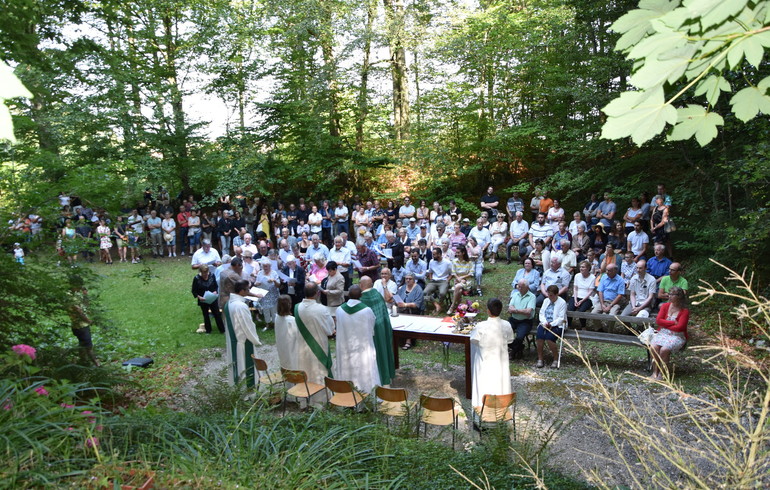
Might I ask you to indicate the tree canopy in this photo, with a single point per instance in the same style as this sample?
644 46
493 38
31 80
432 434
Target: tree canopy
434 98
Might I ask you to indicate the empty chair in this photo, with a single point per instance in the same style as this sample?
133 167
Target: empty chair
302 387
440 412
267 378
343 393
394 401
497 408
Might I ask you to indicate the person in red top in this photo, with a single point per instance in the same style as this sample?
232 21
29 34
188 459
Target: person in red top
181 220
672 335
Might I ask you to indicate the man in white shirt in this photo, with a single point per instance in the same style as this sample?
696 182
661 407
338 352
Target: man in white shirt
248 245
482 236
206 255
407 210
519 236
341 255
438 275
553 276
637 241
315 220
642 292
341 216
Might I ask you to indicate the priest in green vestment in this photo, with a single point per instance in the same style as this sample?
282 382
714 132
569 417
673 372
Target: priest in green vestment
383 332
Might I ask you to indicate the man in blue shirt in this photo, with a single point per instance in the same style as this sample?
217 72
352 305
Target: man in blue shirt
658 265
612 289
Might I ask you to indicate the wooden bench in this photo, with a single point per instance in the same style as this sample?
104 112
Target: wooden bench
603 337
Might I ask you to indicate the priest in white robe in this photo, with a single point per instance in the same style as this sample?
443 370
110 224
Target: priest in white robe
356 356
287 336
315 325
241 336
490 366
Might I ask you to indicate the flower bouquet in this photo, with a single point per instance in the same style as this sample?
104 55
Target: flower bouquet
465 317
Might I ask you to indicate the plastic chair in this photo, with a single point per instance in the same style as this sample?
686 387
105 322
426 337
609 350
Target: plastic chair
268 378
302 387
440 412
495 409
344 395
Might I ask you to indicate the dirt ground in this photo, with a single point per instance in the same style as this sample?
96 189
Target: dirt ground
544 396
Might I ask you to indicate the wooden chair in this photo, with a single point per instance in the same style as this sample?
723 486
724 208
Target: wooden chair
302 387
394 402
495 409
343 393
269 379
440 412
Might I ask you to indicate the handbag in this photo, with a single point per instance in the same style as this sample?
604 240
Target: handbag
324 282
669 226
646 336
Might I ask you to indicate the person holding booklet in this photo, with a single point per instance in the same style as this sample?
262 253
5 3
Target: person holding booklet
204 289
315 325
356 354
241 338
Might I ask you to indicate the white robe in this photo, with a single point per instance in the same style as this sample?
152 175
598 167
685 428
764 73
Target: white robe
287 337
319 323
356 356
490 368
245 331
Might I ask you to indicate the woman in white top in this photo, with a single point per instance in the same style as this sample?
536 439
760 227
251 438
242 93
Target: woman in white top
286 334
632 214
498 230
555 214
575 223
361 219
582 290
553 318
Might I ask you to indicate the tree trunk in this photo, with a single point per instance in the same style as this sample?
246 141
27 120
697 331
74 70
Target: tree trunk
398 69
363 100
179 135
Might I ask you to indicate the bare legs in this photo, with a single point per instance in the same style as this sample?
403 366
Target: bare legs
660 358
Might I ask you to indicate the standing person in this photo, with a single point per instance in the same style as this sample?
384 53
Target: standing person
135 232
241 337
169 234
534 204
659 220
84 233
522 310
203 282
315 325
181 220
156 234
407 210
295 286
489 352
105 241
18 253
489 202
383 332
341 216
194 230
370 261
286 334
267 279
227 280
327 223
332 288
356 354
341 255
80 320
672 334
121 239
206 255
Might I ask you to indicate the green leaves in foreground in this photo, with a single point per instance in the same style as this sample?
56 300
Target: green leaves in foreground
692 44
640 115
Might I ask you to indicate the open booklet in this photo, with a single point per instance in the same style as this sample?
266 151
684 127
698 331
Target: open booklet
257 292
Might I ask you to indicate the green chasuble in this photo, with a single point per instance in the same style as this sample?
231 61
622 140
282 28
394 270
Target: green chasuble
383 334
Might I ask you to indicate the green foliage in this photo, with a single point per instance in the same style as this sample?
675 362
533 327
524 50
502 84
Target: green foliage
697 43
